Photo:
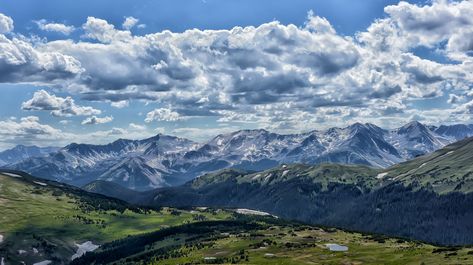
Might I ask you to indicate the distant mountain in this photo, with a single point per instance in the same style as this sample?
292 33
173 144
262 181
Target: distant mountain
22 152
414 139
457 131
138 164
112 189
429 198
162 160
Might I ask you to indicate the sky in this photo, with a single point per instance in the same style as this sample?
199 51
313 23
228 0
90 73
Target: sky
95 71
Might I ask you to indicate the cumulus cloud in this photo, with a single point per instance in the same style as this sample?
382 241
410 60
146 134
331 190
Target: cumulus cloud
138 127
162 114
62 107
102 31
269 74
120 104
29 130
54 27
21 62
6 24
96 120
130 22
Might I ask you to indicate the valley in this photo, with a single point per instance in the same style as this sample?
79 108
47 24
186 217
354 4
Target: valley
45 222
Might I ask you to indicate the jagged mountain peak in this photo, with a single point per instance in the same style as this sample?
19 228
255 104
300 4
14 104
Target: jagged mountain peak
413 128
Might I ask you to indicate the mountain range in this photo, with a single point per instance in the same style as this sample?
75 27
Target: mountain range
163 160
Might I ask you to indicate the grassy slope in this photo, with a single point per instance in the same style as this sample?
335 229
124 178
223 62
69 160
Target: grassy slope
290 243
47 218
446 170
322 174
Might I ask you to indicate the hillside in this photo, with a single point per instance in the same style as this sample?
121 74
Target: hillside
112 189
43 220
447 170
427 198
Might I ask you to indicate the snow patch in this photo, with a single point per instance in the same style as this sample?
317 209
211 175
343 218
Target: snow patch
1 239
256 176
252 212
40 183
284 173
21 251
336 247
2 262
267 176
12 175
84 248
381 175
45 262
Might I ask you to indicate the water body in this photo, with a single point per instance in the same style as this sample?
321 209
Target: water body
336 247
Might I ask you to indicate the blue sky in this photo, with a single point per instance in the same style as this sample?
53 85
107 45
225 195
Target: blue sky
179 15
334 69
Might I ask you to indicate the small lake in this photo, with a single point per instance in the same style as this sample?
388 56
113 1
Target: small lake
336 247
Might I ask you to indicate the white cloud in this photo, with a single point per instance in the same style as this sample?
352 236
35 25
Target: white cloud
96 120
6 24
137 127
162 114
21 62
432 25
61 107
130 22
28 130
54 27
266 75
120 104
102 31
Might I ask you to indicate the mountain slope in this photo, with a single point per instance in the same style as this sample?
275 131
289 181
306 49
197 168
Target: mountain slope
447 170
435 199
112 190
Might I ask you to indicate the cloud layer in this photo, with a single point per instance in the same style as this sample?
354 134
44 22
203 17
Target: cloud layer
281 77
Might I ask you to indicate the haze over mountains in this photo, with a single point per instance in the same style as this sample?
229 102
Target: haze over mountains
163 160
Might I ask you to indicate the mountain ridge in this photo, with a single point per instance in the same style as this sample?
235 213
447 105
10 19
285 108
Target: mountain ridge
163 160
